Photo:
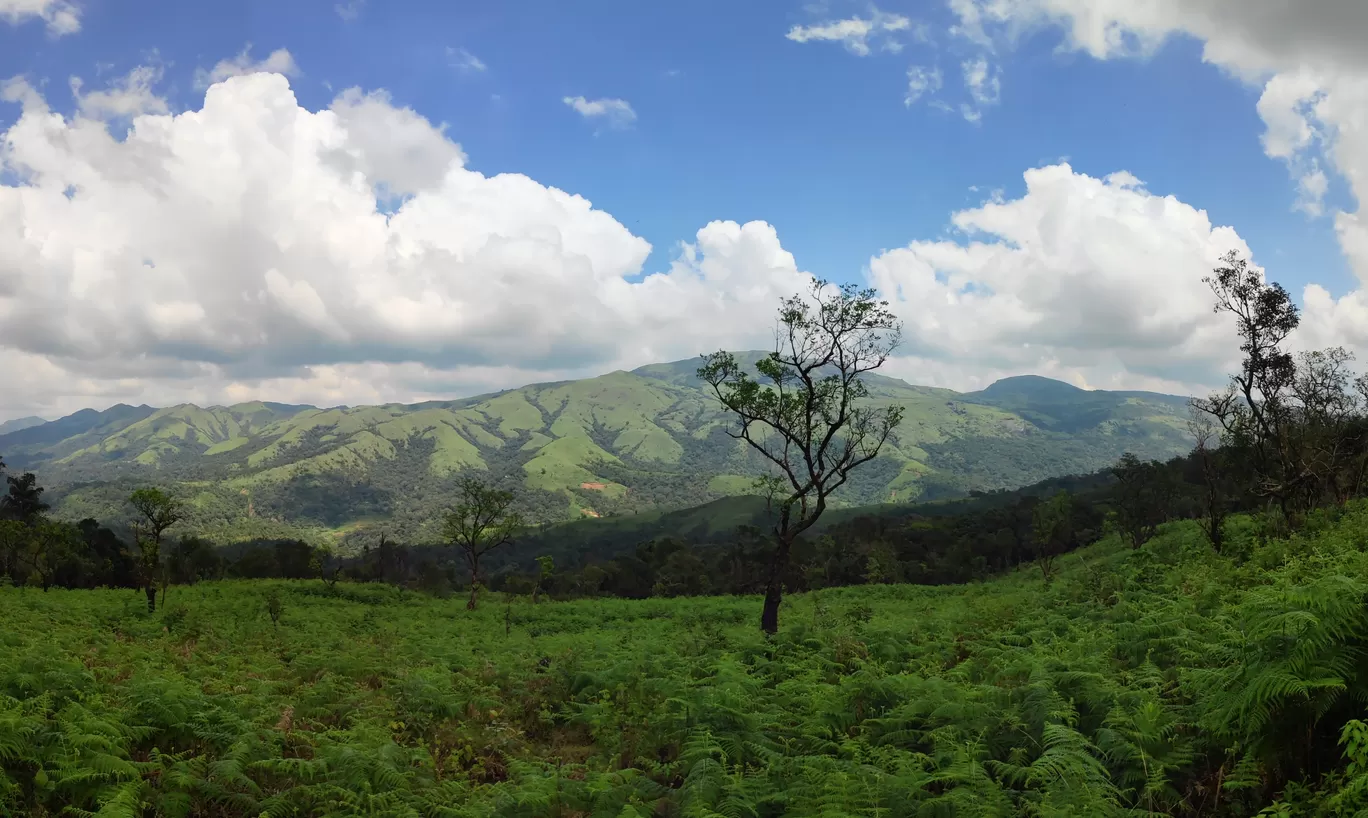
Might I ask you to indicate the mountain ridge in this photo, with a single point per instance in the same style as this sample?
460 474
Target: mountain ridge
623 442
16 424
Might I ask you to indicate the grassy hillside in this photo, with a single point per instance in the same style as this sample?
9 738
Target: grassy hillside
1164 681
622 443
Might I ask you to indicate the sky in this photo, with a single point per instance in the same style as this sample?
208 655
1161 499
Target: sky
360 202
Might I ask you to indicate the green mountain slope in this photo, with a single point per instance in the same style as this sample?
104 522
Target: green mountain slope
650 440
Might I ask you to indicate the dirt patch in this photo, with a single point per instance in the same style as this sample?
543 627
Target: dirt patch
594 486
589 512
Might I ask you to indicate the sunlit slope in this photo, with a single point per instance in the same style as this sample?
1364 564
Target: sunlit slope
623 442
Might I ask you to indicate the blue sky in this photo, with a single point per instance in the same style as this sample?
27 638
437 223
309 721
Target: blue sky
755 131
735 121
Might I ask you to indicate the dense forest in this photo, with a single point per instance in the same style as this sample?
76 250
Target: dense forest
1187 637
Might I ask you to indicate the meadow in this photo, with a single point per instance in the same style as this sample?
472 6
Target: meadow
1163 680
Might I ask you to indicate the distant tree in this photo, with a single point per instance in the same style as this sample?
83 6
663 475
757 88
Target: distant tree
482 521
388 560
24 501
194 559
1143 498
590 579
112 563
682 574
1053 531
52 545
546 566
1214 495
881 564
805 421
155 512
295 559
14 540
329 565
1329 433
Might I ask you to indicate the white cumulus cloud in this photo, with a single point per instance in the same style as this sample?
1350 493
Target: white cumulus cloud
128 96
60 16
1097 280
244 249
617 112
1307 57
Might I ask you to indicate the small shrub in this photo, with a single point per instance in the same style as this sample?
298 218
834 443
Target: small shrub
174 616
274 606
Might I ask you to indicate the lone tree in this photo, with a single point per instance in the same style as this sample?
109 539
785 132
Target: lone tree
481 522
156 512
805 420
1257 411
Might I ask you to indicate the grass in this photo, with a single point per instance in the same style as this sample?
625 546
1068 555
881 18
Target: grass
1134 683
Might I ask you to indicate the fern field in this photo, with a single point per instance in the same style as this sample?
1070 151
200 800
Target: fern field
1161 681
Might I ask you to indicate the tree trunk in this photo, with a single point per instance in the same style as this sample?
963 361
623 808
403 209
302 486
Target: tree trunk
1215 522
151 591
769 617
474 582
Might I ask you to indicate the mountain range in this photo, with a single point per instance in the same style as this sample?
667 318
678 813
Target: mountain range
648 440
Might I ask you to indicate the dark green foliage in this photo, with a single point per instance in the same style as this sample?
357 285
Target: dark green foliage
1144 498
327 500
24 498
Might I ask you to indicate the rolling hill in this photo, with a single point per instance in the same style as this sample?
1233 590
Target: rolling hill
649 440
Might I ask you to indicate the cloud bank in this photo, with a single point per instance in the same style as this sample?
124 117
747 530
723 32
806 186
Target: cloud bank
253 248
